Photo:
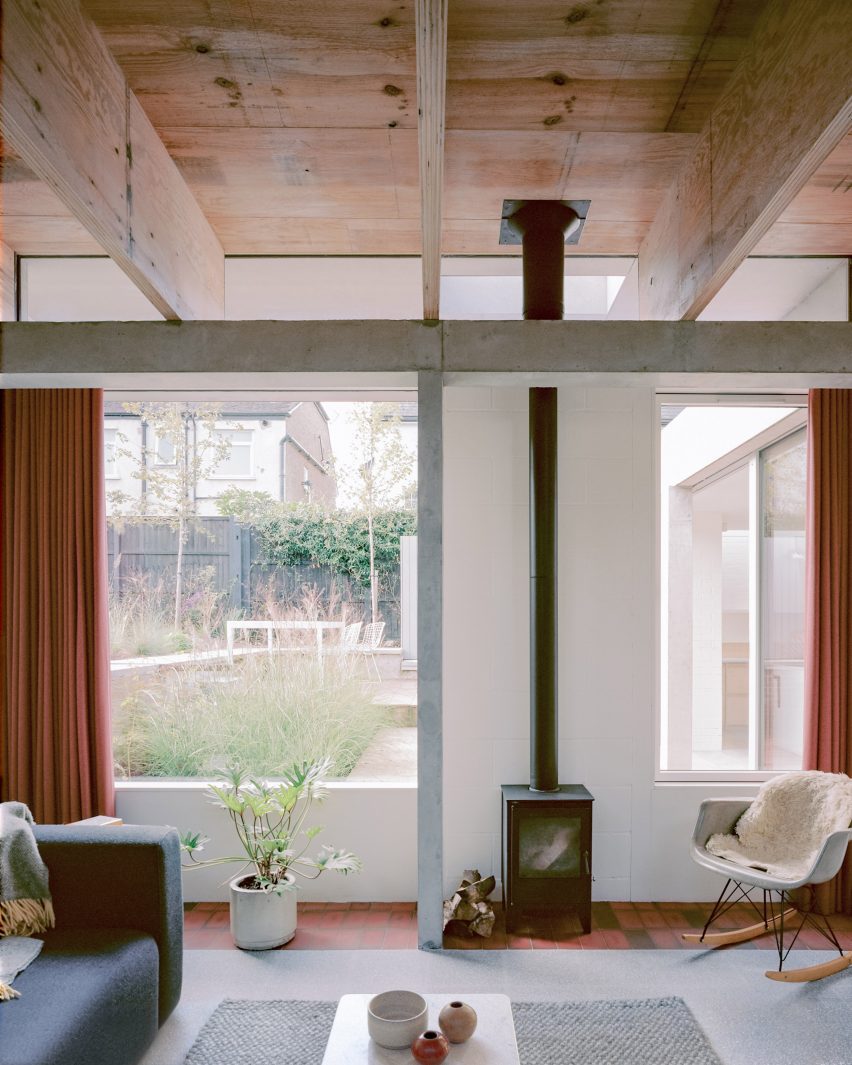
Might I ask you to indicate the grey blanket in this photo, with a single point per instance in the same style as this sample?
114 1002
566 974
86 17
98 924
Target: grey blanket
25 905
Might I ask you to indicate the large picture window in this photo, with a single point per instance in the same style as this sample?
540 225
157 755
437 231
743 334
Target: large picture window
733 573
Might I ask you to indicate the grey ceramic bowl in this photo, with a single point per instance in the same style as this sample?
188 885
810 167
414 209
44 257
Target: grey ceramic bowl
396 1018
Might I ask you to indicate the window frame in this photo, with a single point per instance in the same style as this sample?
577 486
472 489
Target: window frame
154 451
250 443
115 475
746 454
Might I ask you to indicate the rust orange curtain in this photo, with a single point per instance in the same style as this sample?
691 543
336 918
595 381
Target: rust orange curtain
828 611
55 744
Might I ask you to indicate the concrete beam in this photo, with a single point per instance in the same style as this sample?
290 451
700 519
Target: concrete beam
246 355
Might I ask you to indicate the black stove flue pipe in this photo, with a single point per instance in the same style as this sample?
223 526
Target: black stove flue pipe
542 226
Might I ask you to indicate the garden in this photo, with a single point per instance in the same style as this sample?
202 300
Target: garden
190 700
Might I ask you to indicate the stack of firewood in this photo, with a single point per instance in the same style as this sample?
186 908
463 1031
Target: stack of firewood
469 910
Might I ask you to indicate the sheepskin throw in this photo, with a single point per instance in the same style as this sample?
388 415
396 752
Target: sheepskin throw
786 825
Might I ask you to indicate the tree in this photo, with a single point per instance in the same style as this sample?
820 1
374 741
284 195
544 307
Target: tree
379 473
176 456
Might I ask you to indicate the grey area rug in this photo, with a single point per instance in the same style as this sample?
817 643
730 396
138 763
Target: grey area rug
656 1031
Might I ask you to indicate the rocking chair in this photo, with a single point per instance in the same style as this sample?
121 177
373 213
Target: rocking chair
719 816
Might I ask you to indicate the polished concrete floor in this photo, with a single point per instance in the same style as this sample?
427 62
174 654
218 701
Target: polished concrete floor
750 1020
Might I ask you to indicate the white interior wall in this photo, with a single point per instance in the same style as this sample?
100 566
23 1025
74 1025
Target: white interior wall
607 618
378 822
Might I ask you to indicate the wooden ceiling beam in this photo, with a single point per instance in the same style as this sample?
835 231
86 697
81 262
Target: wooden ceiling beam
7 283
431 31
67 110
786 107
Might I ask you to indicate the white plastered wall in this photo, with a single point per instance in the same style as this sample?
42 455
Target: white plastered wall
607 642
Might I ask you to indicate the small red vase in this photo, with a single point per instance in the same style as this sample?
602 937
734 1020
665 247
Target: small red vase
430 1048
457 1021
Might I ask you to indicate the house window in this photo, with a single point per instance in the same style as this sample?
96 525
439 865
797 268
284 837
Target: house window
163 450
110 462
239 461
733 575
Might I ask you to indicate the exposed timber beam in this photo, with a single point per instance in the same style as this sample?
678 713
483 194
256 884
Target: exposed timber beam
311 355
787 105
431 28
67 110
7 283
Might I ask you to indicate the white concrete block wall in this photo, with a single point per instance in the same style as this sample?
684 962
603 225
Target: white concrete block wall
605 553
607 618
377 821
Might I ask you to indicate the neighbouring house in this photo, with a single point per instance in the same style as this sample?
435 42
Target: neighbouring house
281 448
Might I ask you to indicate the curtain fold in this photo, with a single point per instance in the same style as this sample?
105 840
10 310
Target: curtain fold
828 602
55 738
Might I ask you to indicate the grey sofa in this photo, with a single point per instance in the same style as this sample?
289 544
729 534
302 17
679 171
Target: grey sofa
110 972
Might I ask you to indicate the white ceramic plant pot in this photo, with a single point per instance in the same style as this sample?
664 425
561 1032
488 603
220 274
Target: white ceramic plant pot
261 920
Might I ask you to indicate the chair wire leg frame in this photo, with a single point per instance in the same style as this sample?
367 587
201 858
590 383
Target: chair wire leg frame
775 921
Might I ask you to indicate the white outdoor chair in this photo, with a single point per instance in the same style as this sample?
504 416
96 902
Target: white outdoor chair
369 642
720 816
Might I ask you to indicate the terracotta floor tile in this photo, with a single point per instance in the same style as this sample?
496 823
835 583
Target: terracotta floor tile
372 938
401 939
393 925
629 920
593 941
603 916
219 919
376 918
496 941
639 940
616 939
195 919
211 941
568 943
664 938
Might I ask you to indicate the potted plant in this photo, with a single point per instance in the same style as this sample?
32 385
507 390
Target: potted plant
268 818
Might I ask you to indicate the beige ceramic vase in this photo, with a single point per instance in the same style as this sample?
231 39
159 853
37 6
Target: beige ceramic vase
457 1021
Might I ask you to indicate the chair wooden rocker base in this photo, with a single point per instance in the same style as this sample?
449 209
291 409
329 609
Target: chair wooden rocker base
783 899
777 923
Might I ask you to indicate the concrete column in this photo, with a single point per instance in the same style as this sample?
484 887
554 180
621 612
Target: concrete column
430 833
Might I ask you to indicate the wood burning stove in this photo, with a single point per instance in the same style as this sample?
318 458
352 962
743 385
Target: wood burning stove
547 827
547 853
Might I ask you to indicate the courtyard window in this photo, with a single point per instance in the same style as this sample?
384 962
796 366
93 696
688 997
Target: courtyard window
733 579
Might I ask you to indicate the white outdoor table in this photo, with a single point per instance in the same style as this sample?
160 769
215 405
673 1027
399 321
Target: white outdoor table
493 1042
271 626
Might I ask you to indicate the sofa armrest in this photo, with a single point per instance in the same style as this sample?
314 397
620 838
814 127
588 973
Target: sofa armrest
120 877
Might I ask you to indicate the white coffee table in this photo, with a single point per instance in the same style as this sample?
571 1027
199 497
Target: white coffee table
493 1042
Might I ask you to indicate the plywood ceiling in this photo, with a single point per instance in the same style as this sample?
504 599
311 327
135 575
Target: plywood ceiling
295 123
